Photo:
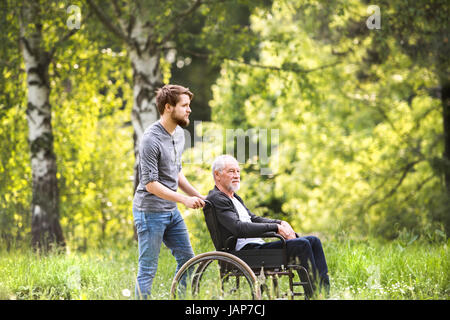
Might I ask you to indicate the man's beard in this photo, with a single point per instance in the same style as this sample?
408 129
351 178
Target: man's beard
182 122
234 187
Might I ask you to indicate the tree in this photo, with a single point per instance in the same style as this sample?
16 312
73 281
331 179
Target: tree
45 225
39 43
417 29
420 30
358 138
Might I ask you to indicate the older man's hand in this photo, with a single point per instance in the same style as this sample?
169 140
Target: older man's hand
286 231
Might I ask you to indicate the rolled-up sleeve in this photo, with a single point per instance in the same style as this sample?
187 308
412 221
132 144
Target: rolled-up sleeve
149 154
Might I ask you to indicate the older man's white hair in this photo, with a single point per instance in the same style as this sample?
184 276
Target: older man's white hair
220 162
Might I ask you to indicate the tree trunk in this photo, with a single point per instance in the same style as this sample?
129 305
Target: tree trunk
147 77
445 97
145 61
45 227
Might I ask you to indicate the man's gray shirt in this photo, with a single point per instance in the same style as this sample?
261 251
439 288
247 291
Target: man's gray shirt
159 160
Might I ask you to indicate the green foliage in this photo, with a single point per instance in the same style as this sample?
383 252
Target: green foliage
15 171
93 140
360 123
358 141
92 137
15 177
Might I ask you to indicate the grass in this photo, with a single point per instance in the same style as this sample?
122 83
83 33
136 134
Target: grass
380 270
364 269
96 274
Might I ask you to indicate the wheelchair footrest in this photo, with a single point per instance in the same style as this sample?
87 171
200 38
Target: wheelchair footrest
293 284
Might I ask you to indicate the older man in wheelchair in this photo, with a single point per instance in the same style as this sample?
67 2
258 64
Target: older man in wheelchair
236 221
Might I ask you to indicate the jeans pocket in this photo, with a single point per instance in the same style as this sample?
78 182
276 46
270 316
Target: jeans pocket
139 221
140 227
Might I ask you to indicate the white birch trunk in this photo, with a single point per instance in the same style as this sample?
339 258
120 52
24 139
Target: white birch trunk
147 77
45 226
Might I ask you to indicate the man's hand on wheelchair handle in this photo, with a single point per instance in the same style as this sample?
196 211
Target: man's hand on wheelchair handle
194 202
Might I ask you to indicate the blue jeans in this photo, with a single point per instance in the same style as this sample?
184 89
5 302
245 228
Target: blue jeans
153 229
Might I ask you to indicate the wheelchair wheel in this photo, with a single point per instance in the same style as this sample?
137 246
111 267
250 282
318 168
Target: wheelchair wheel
215 275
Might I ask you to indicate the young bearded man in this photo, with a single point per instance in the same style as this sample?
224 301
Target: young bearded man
155 211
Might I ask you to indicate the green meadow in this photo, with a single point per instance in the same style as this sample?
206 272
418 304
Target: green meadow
366 269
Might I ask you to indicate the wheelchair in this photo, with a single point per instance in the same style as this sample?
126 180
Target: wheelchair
218 274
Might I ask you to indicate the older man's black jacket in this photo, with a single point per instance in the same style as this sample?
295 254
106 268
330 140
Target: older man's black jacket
228 218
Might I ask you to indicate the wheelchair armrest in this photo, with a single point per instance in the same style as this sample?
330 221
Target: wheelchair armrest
272 234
